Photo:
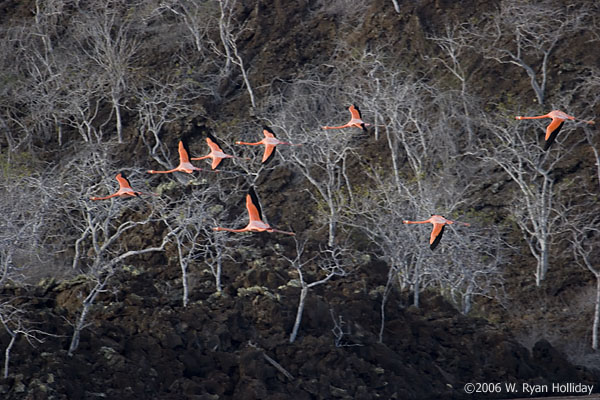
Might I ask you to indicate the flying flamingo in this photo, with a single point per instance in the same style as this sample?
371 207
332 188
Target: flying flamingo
439 223
125 189
356 120
558 119
184 163
216 153
270 141
255 224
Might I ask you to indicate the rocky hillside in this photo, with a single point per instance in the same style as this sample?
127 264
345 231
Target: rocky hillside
140 298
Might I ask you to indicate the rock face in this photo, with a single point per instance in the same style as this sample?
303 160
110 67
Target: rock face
142 344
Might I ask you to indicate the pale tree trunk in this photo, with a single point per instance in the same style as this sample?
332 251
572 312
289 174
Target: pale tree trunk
542 267
183 264
303 294
119 123
217 273
417 283
596 314
87 304
386 293
13 338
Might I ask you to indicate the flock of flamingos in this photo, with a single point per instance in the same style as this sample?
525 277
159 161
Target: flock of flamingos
256 223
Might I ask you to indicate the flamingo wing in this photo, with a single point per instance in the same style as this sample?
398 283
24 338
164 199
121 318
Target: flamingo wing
214 146
123 181
183 153
355 111
215 162
552 131
436 235
269 153
253 206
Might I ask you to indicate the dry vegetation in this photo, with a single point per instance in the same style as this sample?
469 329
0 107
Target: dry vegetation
90 89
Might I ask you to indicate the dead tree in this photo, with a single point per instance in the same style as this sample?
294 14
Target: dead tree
108 40
16 324
328 263
157 105
526 34
534 206
583 226
191 221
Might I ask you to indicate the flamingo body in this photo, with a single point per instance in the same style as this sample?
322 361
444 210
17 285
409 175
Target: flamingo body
216 153
355 121
438 222
184 162
255 224
125 189
558 119
270 142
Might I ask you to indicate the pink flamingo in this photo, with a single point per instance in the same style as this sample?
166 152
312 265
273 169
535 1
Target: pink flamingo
558 119
256 223
216 153
356 120
439 223
270 142
184 162
125 189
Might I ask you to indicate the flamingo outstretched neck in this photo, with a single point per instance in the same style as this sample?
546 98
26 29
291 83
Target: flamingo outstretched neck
558 118
125 189
255 223
438 222
356 120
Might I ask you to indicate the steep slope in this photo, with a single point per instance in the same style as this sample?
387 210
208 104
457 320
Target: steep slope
141 342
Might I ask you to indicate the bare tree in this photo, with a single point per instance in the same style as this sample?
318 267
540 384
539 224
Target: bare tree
22 249
229 32
35 63
533 206
453 44
109 41
16 325
588 92
526 34
159 104
583 225
378 213
202 19
470 265
324 156
379 216
328 262
191 221
101 233
96 233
